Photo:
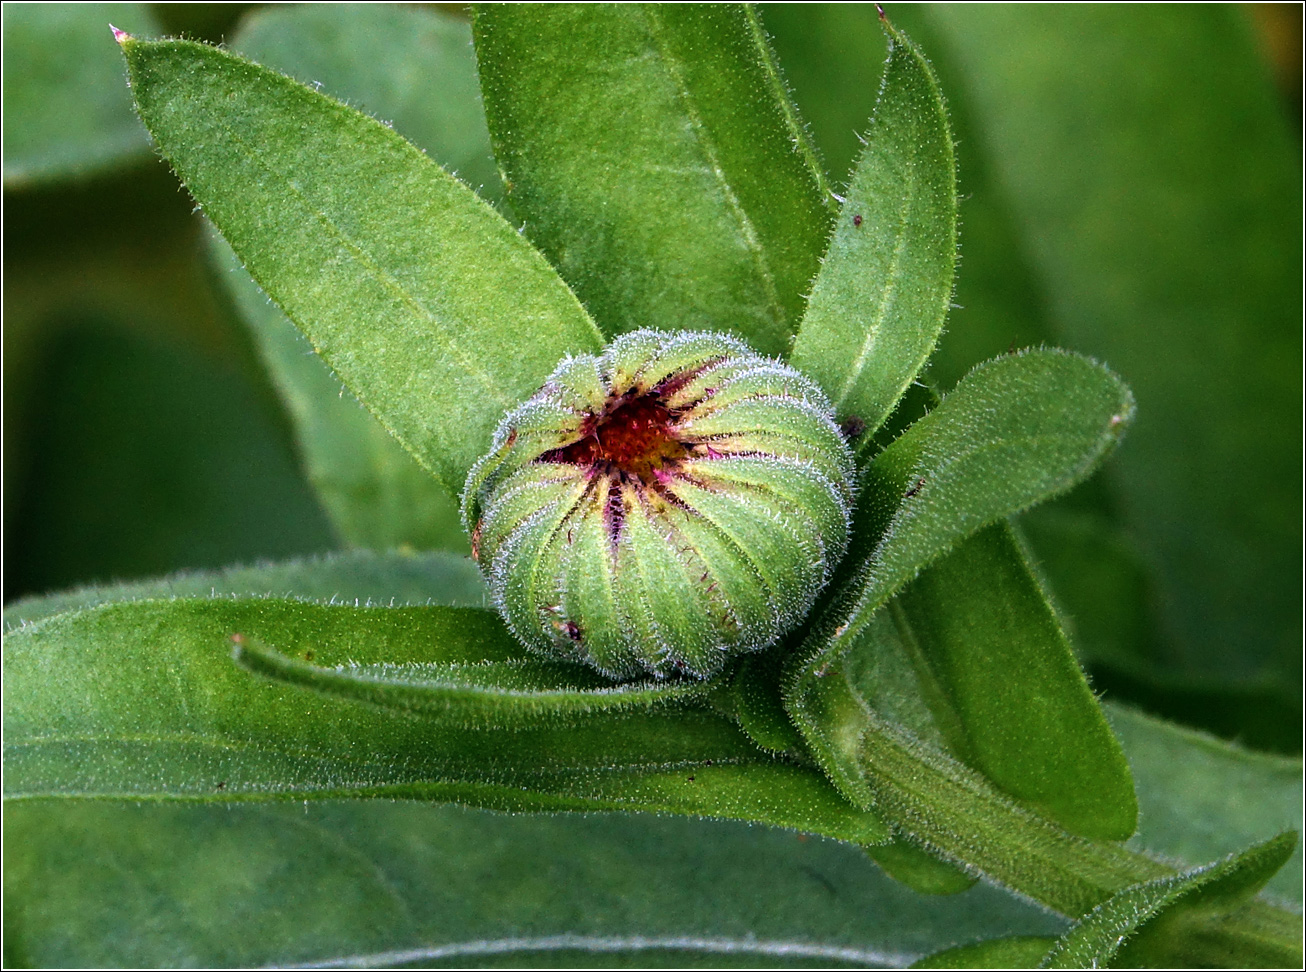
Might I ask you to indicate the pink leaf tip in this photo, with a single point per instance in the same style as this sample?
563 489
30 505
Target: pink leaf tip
120 35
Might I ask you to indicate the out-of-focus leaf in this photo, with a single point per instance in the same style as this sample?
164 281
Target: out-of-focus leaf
360 576
1017 430
142 699
1155 185
1201 798
94 883
429 306
1017 952
152 458
67 111
1151 925
375 492
658 161
879 301
411 67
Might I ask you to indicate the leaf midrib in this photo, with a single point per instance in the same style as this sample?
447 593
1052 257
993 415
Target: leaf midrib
747 232
381 276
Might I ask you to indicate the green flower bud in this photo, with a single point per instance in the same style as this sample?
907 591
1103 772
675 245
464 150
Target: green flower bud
663 506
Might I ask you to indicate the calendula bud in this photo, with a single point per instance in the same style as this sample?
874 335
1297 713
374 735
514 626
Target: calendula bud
661 507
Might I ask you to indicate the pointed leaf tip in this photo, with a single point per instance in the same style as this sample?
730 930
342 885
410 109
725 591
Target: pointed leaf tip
121 36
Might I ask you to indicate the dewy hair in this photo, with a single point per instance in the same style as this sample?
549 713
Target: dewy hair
663 506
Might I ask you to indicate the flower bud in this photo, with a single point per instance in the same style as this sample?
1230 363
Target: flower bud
662 507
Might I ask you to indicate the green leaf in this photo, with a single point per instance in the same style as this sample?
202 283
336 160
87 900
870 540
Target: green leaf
880 299
67 112
430 307
147 456
828 53
387 61
979 627
390 61
142 699
970 659
658 161
1016 430
360 576
1017 952
375 492
1150 925
101 884
1172 248
956 813
920 870
479 679
1201 798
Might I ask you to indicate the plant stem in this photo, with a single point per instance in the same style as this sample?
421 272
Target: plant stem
955 812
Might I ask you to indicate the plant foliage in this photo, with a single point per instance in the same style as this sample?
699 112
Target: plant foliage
930 711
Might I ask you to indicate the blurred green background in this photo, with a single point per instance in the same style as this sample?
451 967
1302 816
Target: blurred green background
1131 186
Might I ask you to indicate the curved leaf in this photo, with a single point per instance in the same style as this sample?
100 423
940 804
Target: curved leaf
142 699
981 630
376 494
1150 925
1015 431
411 66
658 161
430 307
879 302
386 60
488 686
955 812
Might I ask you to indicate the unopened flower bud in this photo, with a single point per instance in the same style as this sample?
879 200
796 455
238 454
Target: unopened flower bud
661 507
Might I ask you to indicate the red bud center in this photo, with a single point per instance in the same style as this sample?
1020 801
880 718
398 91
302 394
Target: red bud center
637 437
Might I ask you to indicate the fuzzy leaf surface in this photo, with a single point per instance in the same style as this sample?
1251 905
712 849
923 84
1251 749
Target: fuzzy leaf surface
142 700
412 67
1018 429
979 629
1150 925
385 60
879 302
67 112
458 886
426 303
376 493
656 158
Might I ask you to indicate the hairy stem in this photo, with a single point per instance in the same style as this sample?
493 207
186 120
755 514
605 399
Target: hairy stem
954 811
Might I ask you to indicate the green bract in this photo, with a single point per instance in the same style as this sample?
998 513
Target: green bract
663 506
